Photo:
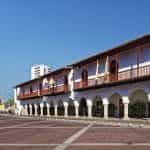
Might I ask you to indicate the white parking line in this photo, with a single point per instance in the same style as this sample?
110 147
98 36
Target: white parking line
27 145
110 144
121 127
71 139
76 144
44 127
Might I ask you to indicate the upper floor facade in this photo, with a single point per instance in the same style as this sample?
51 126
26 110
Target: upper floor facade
128 62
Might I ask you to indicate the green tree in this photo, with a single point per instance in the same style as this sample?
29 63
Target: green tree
9 102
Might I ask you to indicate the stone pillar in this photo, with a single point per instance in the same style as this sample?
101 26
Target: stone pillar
126 103
107 70
26 110
35 107
148 97
22 110
30 106
55 110
105 103
126 115
76 104
41 107
148 113
66 109
48 107
89 105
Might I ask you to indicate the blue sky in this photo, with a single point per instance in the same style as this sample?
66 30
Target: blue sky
58 32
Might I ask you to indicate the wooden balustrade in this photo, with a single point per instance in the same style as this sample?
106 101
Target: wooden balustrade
28 95
120 76
49 91
55 90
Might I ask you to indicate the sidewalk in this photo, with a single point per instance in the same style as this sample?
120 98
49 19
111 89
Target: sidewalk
139 123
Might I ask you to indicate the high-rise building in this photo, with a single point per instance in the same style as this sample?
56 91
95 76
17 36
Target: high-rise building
39 70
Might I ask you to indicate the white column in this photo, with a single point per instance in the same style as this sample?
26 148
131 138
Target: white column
105 103
71 84
35 107
97 69
89 105
22 110
107 69
66 109
41 107
26 110
76 104
48 107
55 110
17 103
148 97
30 106
148 106
126 103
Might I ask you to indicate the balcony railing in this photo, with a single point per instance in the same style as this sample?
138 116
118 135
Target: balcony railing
55 90
134 73
49 91
28 95
120 76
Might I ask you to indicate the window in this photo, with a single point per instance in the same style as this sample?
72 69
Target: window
101 68
91 69
145 55
127 59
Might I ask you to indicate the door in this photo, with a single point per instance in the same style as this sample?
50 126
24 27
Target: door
113 71
84 77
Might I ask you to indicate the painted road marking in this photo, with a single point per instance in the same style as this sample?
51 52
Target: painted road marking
71 139
80 144
110 144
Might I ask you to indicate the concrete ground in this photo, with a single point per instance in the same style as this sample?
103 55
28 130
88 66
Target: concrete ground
31 134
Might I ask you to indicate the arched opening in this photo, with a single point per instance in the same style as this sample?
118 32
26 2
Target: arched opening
52 108
97 107
38 109
28 109
60 108
71 108
139 106
83 109
116 107
84 76
45 108
113 70
33 109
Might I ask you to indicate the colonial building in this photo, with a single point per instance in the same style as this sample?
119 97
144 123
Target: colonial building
114 83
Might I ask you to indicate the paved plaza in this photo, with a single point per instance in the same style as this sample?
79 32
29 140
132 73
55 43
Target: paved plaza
31 134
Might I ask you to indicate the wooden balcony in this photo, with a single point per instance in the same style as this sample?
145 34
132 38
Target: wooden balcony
127 75
28 95
134 73
89 83
50 91
55 90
